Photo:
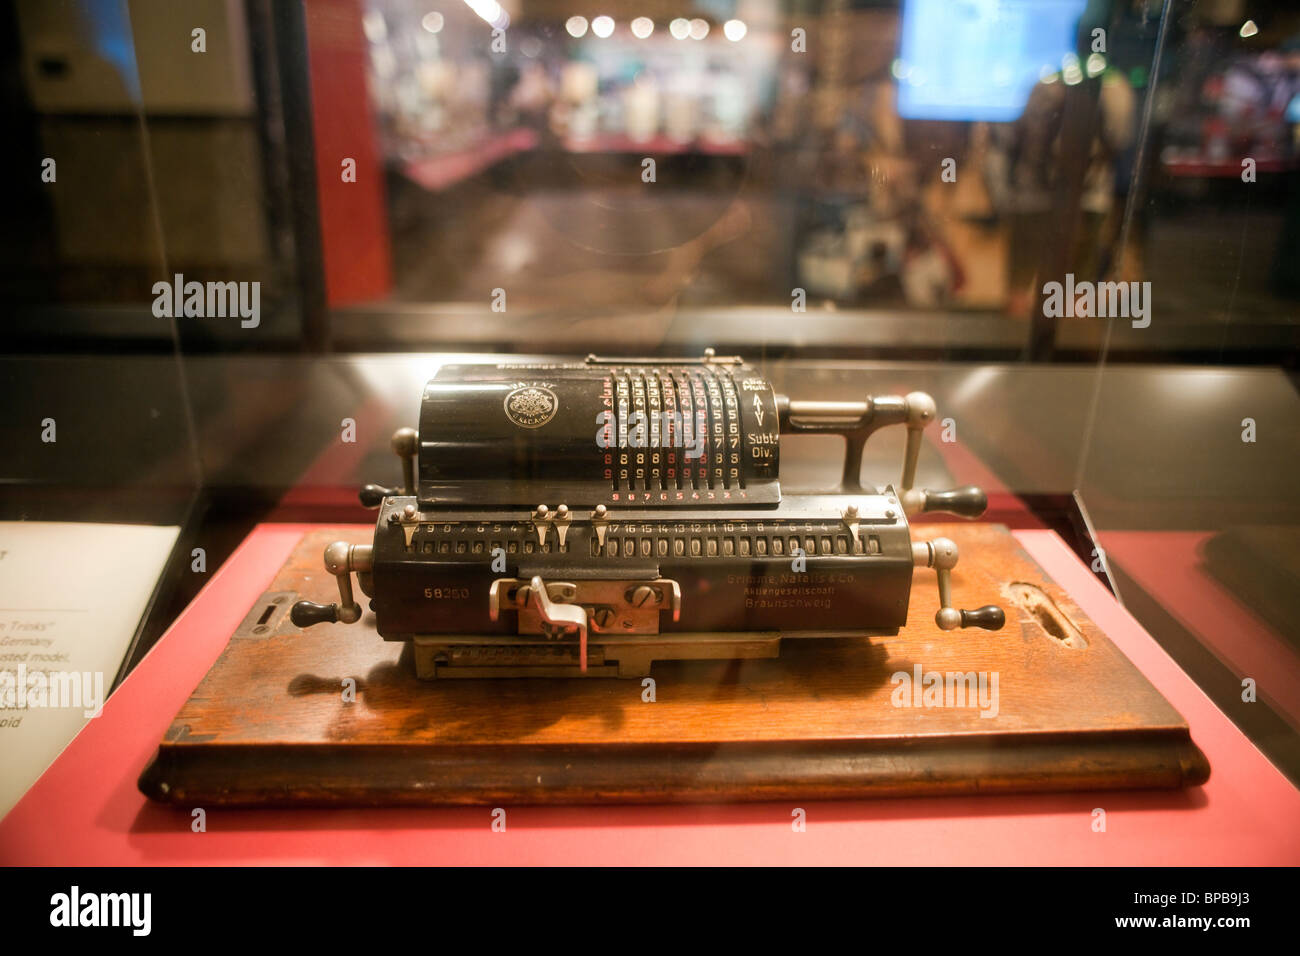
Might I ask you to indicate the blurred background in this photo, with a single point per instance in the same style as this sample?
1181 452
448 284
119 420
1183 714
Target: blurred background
862 197
797 145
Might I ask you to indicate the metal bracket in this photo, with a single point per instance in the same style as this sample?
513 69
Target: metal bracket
855 421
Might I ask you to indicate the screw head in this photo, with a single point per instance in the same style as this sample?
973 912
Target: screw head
642 595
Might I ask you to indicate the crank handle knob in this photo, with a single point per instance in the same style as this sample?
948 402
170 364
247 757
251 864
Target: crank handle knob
968 502
307 613
990 617
372 496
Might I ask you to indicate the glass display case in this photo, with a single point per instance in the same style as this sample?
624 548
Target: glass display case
242 236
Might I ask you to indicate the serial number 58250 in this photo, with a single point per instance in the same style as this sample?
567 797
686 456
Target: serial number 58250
447 594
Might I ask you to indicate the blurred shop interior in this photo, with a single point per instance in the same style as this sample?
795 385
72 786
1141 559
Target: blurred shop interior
860 195
919 166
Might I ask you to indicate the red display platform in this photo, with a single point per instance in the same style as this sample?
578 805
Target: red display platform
86 810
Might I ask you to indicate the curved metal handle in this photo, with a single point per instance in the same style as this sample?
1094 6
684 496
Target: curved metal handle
406 442
941 554
341 559
967 502
562 616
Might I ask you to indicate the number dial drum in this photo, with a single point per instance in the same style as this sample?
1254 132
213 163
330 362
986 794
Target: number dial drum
584 434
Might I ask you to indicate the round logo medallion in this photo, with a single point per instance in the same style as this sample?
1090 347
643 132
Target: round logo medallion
531 406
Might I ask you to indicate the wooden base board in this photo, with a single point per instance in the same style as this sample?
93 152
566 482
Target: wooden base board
1062 709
